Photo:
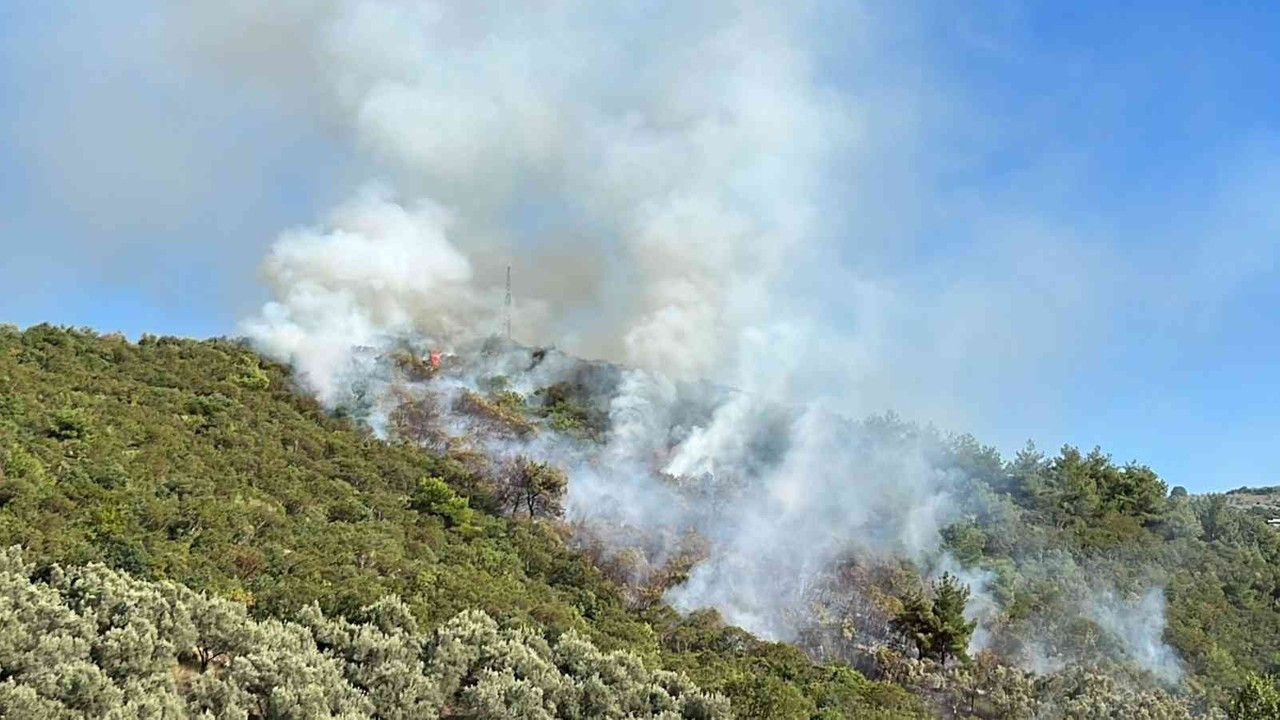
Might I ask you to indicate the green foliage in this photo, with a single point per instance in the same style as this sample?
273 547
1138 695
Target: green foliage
952 631
730 661
251 375
966 541
535 488
195 465
988 688
433 496
69 424
90 642
1057 529
565 409
500 413
1257 699
496 383
934 623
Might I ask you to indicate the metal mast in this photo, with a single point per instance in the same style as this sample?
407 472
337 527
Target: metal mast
508 303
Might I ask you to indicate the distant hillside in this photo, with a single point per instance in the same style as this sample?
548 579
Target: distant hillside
1264 500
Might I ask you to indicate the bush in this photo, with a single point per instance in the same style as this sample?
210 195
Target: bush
69 424
434 497
90 642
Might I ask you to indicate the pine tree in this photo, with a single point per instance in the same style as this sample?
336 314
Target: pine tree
952 633
916 622
935 623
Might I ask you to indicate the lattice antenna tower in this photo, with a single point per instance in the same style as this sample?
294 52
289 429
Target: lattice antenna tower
508 303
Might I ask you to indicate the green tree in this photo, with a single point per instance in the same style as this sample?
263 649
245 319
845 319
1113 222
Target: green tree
952 633
915 621
433 496
69 424
1136 491
534 487
1217 519
934 622
966 541
1257 699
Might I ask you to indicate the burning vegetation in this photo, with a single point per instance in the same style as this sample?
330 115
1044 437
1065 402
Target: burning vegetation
225 480
956 605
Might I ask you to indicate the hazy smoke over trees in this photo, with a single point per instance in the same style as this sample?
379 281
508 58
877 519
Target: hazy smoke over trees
660 176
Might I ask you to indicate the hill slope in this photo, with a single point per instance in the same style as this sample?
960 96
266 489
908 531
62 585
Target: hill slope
197 463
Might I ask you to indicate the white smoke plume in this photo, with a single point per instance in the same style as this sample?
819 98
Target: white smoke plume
658 174
830 492
651 171
377 270
1130 623
1137 624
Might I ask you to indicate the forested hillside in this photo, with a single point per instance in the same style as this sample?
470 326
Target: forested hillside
189 531
197 463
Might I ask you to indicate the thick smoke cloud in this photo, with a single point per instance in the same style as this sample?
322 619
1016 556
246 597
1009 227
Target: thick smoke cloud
670 156
377 270
831 492
658 177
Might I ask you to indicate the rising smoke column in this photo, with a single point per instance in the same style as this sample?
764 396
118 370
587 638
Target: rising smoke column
376 270
675 154
654 172
650 170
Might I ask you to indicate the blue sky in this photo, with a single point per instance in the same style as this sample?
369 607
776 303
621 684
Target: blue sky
1129 154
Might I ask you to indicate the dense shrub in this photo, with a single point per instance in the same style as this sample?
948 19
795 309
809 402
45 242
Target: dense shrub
90 642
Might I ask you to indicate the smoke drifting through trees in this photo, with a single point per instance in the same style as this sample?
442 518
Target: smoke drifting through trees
656 176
